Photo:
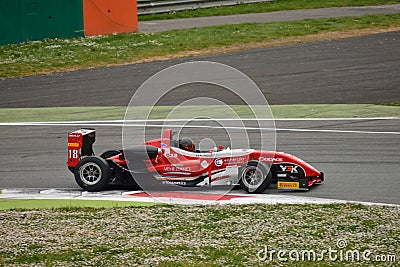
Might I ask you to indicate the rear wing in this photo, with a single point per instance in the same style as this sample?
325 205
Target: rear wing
80 143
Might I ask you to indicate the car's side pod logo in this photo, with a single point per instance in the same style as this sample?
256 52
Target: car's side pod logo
218 162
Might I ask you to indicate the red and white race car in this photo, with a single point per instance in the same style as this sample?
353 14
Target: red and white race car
176 162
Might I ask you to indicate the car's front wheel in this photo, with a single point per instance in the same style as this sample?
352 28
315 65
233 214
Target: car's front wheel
255 177
92 174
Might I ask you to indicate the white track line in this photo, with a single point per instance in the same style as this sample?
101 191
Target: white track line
128 123
201 126
49 123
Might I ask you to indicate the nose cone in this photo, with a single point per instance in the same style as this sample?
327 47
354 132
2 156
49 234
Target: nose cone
308 169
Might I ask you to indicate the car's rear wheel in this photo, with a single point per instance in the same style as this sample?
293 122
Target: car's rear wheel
109 153
255 177
92 174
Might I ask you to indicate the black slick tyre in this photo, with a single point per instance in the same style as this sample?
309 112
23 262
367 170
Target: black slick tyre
92 174
255 177
109 153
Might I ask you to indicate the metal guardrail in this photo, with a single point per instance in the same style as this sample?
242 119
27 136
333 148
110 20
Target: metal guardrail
163 6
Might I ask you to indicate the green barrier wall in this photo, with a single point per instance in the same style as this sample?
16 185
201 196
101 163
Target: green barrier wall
10 21
27 20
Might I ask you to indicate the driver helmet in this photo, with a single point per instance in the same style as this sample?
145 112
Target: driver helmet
186 144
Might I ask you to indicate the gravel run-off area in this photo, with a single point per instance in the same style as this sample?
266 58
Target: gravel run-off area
215 235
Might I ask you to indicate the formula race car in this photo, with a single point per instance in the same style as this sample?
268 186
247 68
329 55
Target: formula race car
167 161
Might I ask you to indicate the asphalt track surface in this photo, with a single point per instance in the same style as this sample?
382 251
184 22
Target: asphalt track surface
347 71
290 15
358 166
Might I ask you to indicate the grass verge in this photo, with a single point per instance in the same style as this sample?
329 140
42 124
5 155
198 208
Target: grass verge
160 112
217 235
278 5
9 204
80 53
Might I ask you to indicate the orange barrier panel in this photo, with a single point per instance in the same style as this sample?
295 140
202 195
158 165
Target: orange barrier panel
109 16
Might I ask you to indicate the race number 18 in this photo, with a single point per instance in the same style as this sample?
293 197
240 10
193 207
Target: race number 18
73 153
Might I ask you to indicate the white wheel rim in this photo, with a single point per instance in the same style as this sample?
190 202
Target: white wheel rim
90 173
